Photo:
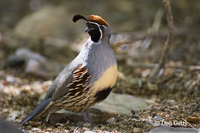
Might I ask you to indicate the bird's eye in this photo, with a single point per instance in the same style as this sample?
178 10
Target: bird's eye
91 25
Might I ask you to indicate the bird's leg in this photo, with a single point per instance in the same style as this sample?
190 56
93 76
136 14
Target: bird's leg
47 118
88 116
84 115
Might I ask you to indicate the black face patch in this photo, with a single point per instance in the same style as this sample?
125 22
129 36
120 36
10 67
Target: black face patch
101 95
95 34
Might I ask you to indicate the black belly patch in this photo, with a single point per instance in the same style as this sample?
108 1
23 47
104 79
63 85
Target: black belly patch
101 95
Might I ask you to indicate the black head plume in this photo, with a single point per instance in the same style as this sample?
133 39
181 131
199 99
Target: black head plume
77 17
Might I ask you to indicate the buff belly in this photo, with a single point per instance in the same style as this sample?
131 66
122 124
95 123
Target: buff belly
97 93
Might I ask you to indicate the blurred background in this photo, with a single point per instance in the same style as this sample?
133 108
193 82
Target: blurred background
39 24
38 39
46 27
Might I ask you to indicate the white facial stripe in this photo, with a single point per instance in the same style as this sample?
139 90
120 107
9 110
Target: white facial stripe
94 23
98 27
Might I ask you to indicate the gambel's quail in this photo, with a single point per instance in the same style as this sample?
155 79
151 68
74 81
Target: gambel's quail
88 79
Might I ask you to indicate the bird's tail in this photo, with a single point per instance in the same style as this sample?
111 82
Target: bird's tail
36 111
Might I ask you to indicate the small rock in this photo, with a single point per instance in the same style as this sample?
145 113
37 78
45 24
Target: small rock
162 114
80 123
86 124
27 54
111 120
117 104
14 61
10 79
167 116
13 115
48 129
136 130
56 118
35 64
157 118
171 102
36 130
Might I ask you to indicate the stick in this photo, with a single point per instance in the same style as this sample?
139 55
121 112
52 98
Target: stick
153 30
197 106
168 42
188 123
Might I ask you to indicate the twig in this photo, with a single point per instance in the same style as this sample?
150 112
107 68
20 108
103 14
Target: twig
153 30
197 106
188 123
168 42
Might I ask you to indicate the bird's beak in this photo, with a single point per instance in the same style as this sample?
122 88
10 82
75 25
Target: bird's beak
86 29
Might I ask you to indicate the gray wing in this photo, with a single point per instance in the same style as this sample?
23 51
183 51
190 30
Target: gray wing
59 85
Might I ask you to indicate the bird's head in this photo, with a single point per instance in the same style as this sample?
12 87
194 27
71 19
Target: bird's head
97 27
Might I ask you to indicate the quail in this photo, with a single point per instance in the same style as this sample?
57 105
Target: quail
86 80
